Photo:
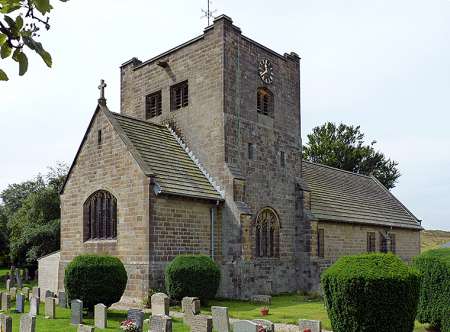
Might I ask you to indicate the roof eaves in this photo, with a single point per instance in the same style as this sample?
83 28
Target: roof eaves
397 200
129 145
385 224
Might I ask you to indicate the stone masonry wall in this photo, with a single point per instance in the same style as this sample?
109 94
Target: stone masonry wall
109 167
343 239
181 226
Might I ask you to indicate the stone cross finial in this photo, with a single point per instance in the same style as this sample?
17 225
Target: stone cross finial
102 87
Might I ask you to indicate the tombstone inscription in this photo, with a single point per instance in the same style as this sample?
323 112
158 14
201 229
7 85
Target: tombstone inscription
137 316
100 316
77 312
20 303
221 322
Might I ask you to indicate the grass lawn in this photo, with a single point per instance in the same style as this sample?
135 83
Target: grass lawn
3 271
284 309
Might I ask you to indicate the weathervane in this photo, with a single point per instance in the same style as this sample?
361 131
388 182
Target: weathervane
208 13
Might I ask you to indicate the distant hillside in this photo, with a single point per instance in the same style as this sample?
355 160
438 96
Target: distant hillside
431 239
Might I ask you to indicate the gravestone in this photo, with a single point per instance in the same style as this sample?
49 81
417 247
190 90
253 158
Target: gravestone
26 292
77 312
313 325
6 301
5 323
201 323
100 316
27 323
8 284
50 307
261 299
13 292
190 306
18 279
160 304
49 293
85 328
221 322
137 316
267 324
20 303
160 323
62 300
34 306
245 326
27 274
36 292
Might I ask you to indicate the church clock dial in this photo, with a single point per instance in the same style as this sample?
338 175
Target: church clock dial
265 71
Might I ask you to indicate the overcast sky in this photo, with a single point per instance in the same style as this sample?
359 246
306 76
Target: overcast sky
381 64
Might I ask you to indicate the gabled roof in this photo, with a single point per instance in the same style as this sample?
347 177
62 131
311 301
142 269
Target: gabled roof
338 195
159 153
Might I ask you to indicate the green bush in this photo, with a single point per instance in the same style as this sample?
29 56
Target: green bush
95 279
192 275
371 293
434 300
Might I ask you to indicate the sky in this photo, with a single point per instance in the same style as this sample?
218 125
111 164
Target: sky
380 64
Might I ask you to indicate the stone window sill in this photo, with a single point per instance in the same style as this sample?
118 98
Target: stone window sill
102 241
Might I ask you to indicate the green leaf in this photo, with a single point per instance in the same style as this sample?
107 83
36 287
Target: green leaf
19 23
46 57
8 8
5 51
2 38
43 6
3 76
23 63
10 21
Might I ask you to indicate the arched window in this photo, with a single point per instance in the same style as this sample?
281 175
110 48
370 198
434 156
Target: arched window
100 216
267 234
264 101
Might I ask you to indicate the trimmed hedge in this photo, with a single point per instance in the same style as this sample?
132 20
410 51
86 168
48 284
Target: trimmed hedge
371 293
434 300
95 279
192 275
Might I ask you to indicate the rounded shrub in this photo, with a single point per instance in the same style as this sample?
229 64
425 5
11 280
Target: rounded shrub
95 279
192 275
371 293
434 299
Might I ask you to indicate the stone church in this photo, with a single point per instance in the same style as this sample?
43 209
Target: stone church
205 157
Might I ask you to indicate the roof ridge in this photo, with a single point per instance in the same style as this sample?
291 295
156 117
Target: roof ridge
338 169
138 120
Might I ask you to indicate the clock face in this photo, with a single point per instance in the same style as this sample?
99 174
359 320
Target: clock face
265 71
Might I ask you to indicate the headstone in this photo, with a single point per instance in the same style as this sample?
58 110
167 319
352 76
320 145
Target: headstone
50 307
20 303
77 312
34 306
62 300
13 292
8 284
26 292
27 323
49 293
137 316
201 323
100 315
313 325
5 323
36 292
160 304
6 301
27 274
267 324
18 279
221 322
261 299
160 323
190 306
245 326
85 328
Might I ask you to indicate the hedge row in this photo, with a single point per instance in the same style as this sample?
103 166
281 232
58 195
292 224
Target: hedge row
434 301
371 292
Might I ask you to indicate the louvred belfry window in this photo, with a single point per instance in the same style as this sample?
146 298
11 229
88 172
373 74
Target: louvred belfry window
100 216
267 234
179 95
264 101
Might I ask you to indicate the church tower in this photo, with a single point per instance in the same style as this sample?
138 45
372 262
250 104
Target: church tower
236 105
